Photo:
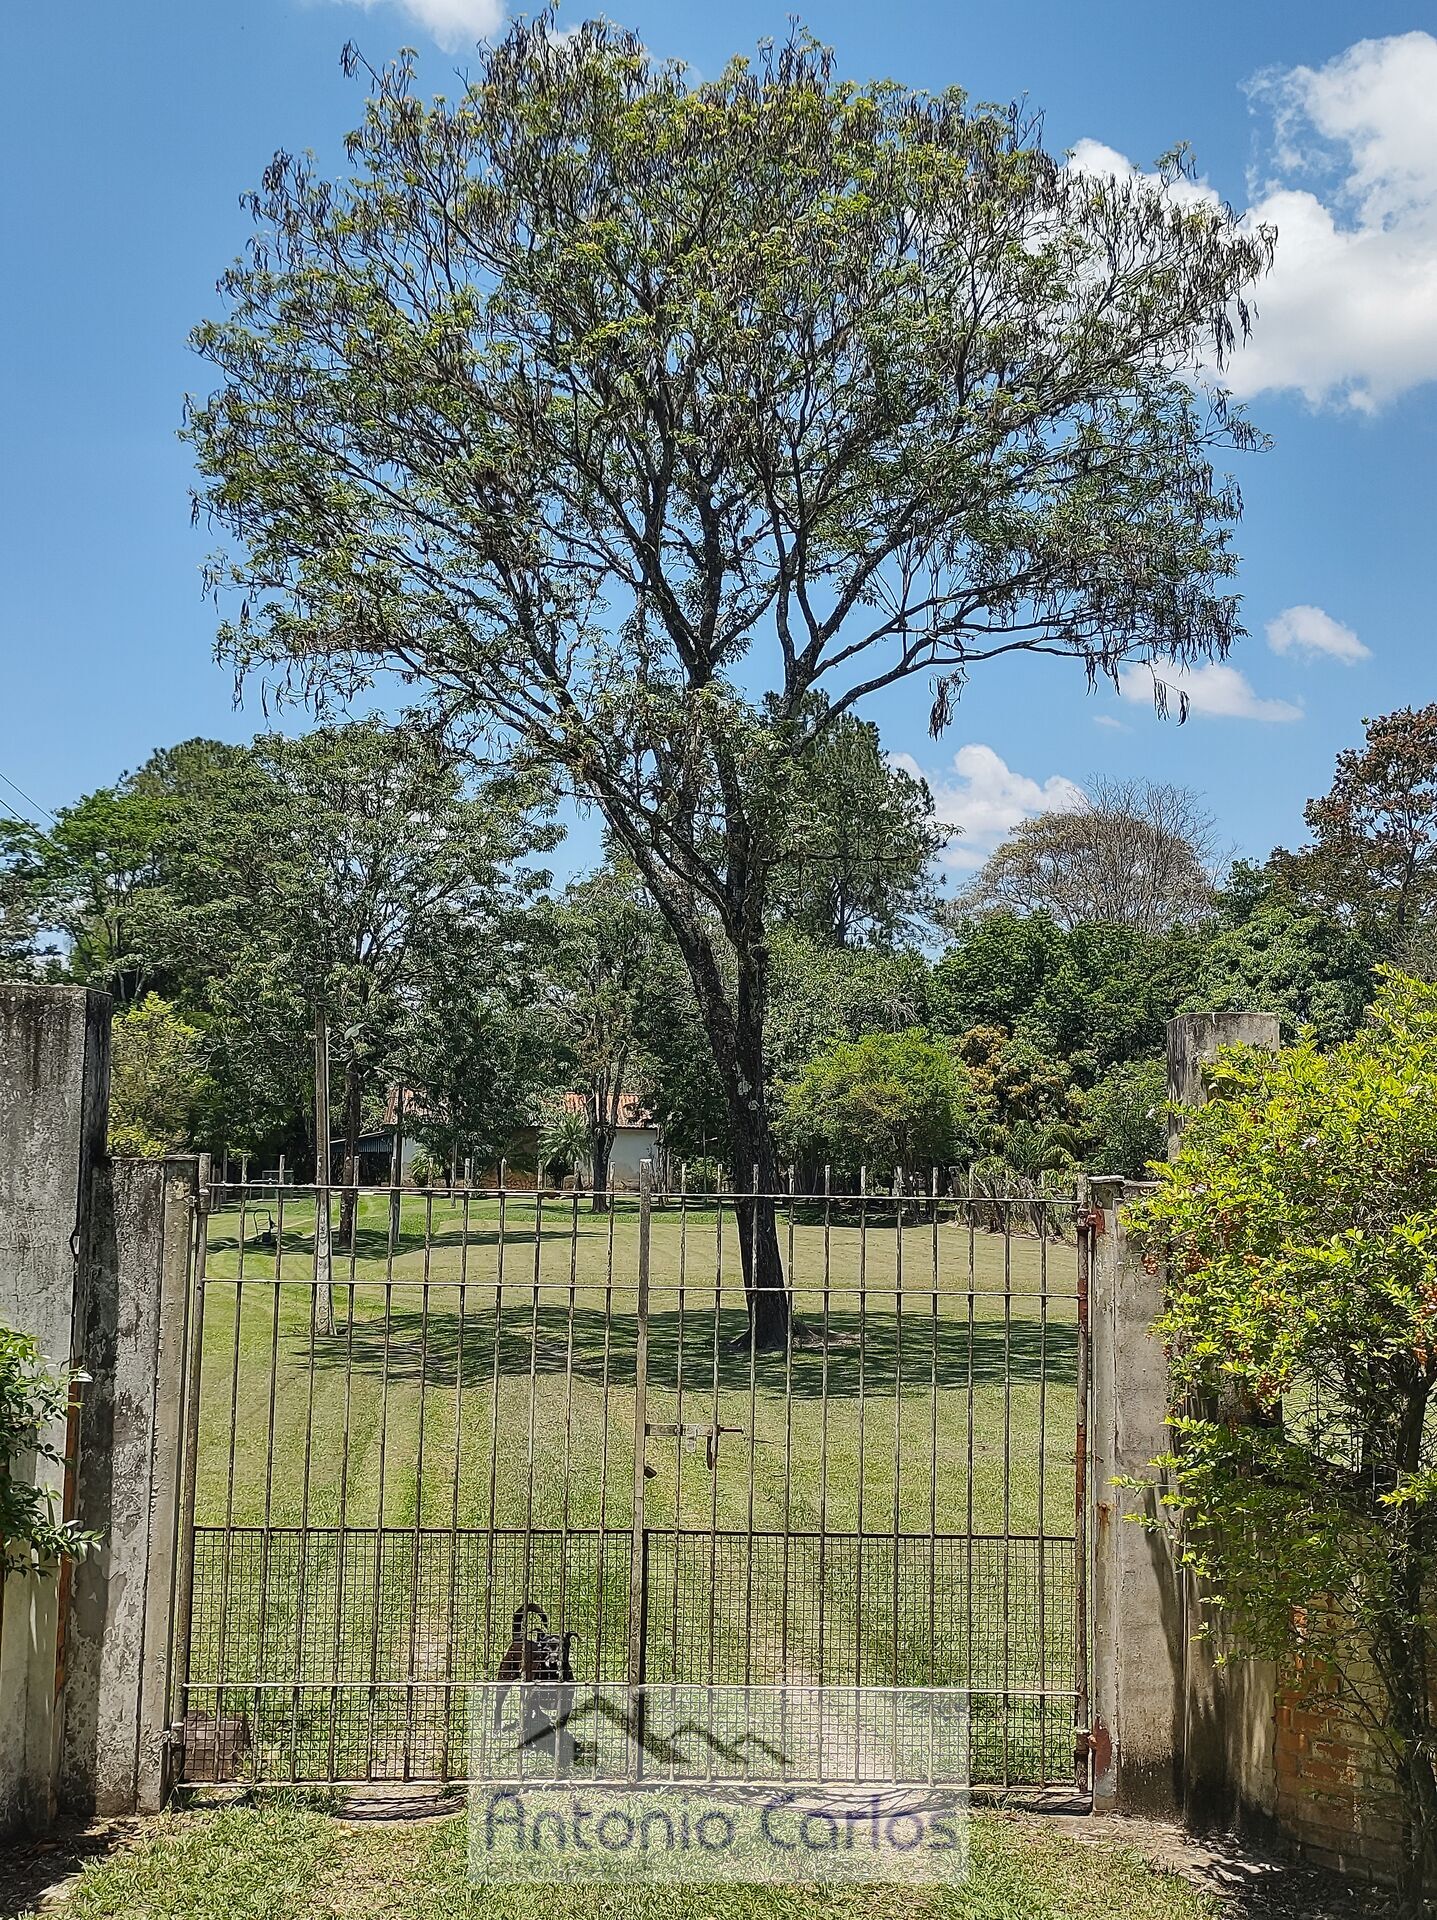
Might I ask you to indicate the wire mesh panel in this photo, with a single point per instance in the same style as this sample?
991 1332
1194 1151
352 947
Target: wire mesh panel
480 1417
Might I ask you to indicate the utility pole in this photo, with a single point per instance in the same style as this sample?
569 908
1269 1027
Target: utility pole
323 1269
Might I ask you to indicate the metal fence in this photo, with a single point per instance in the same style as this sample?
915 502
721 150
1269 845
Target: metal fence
498 1402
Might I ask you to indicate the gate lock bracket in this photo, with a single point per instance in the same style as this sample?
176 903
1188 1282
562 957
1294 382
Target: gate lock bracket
691 1435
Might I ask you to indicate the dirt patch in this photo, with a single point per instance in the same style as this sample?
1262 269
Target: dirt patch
36 1874
1253 1882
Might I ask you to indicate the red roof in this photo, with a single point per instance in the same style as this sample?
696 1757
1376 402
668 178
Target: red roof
631 1113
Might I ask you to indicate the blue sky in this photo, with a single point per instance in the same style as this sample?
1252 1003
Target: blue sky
131 129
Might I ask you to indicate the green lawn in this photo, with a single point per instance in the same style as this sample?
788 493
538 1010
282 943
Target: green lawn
282 1859
375 1497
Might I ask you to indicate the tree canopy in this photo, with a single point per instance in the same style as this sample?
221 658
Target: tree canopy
1131 854
1372 861
662 424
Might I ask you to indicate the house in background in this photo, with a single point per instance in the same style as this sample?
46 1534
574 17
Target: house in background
636 1138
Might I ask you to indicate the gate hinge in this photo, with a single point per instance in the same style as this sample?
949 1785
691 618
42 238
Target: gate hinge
1093 1220
174 1737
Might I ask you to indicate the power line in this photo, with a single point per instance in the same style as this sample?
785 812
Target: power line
24 822
15 787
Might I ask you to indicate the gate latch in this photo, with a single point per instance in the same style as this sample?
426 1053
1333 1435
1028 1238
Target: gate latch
690 1436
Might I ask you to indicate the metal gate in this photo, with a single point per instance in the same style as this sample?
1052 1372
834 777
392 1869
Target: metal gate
487 1401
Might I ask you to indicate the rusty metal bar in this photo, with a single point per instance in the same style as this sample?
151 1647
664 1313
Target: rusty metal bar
1081 1707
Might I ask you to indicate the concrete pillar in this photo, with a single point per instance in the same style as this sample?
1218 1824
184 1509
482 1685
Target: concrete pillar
1139 1606
1230 1708
1193 1043
115 1755
54 1086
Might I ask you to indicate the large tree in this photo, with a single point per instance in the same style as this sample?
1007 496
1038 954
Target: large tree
98 877
664 424
1373 857
1133 853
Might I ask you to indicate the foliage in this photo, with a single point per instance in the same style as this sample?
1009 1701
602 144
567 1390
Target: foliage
1315 974
821 993
158 1082
599 948
563 1140
473 1059
1373 857
34 1402
888 1101
1299 1231
98 876
1094 994
660 425
1124 1117
1128 853
859 840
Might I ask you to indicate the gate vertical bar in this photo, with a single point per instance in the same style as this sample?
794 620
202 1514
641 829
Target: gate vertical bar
638 1595
1081 1714
185 1560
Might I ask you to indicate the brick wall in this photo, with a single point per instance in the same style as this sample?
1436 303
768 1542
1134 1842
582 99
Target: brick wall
1336 1799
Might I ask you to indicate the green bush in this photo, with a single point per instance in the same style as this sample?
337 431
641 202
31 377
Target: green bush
1298 1228
884 1102
1124 1115
33 1401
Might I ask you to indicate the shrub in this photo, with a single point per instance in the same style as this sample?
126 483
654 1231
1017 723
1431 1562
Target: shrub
1299 1230
886 1101
33 1400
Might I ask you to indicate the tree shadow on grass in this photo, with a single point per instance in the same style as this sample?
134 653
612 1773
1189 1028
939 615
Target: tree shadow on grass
870 1352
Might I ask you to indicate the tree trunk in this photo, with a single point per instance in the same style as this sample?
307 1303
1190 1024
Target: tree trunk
601 1143
348 1199
755 1173
1400 1651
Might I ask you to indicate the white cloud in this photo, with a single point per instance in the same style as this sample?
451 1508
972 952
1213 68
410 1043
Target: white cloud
983 799
1308 631
1349 310
455 24
1216 690
1111 720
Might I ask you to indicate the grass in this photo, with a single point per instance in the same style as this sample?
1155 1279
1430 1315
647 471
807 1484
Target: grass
284 1858
374 1498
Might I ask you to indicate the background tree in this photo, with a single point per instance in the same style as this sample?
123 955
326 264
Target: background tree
1099 992
1297 1227
158 1082
600 955
342 859
886 1102
1373 858
1124 1115
474 1061
98 877
1271 954
664 424
1134 854
861 843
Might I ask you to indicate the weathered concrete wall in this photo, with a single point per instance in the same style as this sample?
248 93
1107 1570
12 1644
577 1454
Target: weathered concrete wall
54 1078
114 1754
1230 1718
1139 1601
